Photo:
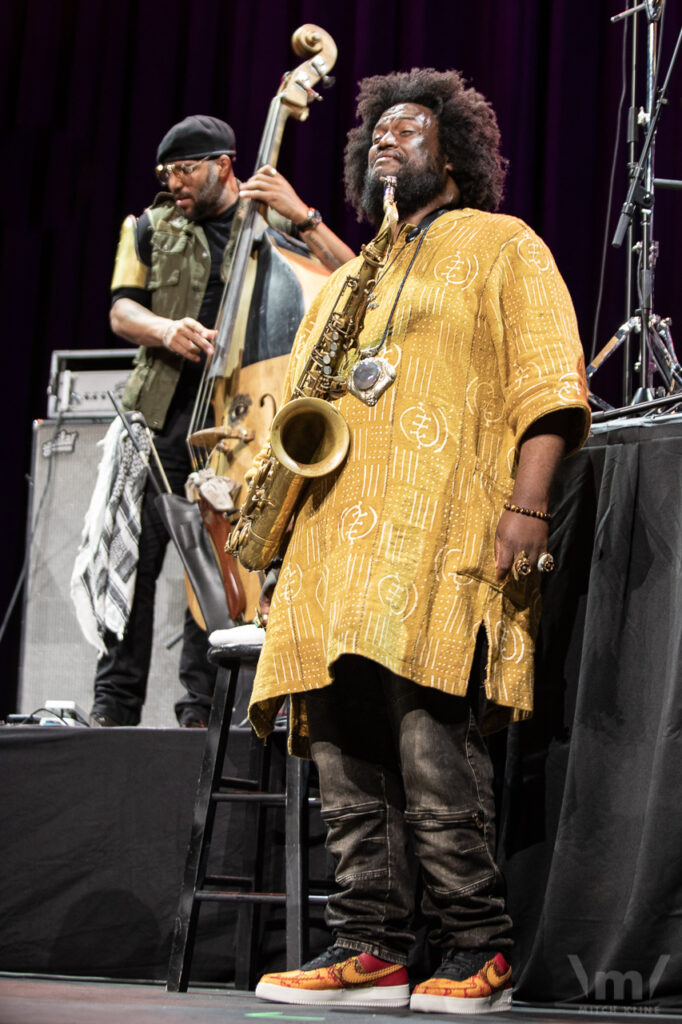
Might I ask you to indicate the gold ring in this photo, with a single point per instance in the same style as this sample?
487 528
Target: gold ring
521 566
546 562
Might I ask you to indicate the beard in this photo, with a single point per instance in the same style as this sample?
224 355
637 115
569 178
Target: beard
208 198
415 189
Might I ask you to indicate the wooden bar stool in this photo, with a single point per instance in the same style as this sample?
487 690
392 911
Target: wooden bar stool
230 649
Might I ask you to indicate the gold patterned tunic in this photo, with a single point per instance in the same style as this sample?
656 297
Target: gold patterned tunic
392 556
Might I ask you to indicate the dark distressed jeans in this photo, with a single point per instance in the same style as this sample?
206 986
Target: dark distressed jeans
397 760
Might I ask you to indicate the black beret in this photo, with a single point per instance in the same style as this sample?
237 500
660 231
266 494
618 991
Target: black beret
195 137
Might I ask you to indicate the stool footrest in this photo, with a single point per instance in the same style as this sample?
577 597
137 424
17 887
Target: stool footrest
224 896
235 896
268 799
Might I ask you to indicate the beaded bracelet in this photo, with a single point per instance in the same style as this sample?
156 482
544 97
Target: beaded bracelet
528 511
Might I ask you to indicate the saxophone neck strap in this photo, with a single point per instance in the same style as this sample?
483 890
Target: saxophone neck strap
427 221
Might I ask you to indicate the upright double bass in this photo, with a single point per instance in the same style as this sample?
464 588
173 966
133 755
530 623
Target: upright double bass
236 402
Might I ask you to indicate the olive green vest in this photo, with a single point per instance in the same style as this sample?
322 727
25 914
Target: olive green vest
179 273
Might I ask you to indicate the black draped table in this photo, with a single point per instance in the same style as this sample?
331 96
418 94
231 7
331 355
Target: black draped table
591 829
94 829
94 823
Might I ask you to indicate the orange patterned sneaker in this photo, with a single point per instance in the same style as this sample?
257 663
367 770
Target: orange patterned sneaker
339 977
466 982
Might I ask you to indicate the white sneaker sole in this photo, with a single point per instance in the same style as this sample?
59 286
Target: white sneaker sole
393 996
498 1001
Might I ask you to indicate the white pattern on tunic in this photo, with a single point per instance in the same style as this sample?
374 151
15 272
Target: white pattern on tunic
400 540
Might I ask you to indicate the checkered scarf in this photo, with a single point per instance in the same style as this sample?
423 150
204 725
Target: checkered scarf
105 570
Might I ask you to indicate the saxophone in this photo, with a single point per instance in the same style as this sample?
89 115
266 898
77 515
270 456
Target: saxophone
308 436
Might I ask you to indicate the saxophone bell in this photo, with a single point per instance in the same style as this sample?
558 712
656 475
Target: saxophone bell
309 437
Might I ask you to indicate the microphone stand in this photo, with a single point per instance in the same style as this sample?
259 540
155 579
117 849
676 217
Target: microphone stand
656 350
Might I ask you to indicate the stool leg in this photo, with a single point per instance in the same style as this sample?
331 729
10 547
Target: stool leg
182 945
296 853
248 917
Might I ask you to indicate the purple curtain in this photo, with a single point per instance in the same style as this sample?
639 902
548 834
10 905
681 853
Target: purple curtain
90 87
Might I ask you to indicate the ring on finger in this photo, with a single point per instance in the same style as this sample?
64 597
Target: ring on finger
522 566
546 562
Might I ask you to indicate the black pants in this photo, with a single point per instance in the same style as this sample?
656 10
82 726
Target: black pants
121 675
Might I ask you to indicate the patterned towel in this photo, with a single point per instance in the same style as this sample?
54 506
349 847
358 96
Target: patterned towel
105 570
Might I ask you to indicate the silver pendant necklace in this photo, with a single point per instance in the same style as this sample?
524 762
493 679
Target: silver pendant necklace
373 374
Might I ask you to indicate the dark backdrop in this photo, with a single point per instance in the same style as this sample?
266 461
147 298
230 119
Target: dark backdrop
91 86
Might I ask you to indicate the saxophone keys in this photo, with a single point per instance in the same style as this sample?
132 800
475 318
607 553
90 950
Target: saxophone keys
253 502
262 474
233 540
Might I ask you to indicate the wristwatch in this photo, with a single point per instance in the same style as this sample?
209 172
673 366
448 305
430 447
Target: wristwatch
312 220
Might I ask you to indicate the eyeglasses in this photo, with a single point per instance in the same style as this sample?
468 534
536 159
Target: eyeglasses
180 170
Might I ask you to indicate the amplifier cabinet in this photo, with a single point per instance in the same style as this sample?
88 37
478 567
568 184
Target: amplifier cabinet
57 663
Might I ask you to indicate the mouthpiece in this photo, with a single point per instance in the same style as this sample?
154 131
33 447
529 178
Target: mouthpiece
390 182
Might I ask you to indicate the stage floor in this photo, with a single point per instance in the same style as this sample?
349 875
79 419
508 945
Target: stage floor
29 1000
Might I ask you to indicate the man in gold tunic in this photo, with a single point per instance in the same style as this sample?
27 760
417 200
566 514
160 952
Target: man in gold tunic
403 623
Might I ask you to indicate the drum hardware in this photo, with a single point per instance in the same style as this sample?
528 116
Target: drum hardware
656 352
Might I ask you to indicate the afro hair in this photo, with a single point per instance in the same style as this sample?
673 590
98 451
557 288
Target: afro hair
468 132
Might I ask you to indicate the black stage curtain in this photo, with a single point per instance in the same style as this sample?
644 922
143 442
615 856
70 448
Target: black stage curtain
591 831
